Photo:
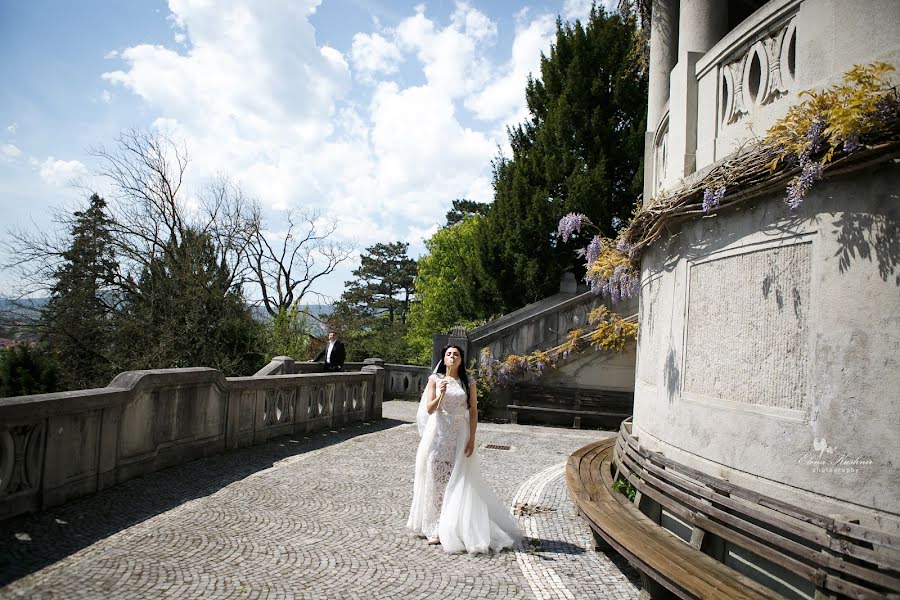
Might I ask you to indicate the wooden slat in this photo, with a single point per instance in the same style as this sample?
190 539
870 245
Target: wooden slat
697 573
656 550
666 479
676 498
852 530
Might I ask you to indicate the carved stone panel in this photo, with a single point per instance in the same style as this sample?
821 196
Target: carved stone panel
747 327
279 406
764 73
320 400
21 450
650 331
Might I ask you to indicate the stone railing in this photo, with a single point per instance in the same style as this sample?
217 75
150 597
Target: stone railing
745 80
540 330
54 447
401 382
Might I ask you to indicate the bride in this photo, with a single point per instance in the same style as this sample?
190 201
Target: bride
452 505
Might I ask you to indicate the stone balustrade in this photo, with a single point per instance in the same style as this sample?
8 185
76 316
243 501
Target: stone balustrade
401 382
55 447
541 329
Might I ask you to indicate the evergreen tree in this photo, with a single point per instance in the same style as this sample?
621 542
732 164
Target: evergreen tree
384 283
24 371
581 150
76 324
463 208
373 309
184 311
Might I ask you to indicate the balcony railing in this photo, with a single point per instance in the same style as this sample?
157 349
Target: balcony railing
54 447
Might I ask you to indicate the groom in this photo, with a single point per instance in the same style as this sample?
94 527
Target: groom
333 353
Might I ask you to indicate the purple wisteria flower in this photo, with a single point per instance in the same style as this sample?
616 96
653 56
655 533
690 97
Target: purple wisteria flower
593 250
622 283
814 136
569 224
851 144
887 108
712 198
812 172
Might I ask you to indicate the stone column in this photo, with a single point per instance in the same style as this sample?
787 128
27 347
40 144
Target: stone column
701 23
374 408
663 53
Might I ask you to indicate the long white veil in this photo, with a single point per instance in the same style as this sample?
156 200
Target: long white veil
422 413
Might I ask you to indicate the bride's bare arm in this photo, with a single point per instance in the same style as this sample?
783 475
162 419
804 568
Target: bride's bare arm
473 417
430 396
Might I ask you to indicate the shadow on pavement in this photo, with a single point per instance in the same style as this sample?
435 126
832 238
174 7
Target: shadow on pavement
31 542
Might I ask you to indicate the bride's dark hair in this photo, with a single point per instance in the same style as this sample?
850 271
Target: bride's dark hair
463 376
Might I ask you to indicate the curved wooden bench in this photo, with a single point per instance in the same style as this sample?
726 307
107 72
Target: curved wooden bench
835 558
678 567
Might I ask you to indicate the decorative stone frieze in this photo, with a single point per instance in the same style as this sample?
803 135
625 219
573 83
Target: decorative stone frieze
20 458
765 73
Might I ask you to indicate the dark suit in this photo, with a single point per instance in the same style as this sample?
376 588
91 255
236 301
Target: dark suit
336 362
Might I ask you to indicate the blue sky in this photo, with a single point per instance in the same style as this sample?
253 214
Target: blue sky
376 113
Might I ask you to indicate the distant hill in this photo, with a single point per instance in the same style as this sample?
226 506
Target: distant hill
29 309
319 311
26 309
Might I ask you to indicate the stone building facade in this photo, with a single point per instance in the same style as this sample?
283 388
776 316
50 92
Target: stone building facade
769 348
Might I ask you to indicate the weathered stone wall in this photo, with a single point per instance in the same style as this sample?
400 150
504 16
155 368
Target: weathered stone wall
54 447
401 382
769 347
543 329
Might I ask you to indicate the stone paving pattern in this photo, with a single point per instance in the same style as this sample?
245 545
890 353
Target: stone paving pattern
321 516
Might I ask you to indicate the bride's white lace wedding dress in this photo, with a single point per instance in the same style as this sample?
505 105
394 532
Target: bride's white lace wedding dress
451 501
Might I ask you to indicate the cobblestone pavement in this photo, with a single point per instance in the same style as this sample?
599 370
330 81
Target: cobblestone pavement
316 517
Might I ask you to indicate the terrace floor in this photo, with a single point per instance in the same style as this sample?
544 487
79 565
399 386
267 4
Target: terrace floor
321 516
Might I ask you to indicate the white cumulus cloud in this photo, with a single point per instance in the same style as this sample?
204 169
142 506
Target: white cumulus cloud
10 151
372 55
504 97
253 95
61 172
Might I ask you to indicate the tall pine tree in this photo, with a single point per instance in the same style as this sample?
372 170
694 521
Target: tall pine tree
373 309
581 150
185 311
77 324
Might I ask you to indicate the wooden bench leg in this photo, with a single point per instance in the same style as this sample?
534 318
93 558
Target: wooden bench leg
513 416
577 424
697 537
652 589
600 544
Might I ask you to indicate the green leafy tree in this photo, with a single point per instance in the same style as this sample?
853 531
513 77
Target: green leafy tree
77 324
581 150
384 282
288 334
185 311
24 371
451 286
463 208
372 311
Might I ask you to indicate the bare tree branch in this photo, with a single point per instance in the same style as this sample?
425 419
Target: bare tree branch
286 265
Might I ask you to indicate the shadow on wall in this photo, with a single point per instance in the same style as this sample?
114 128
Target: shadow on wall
673 375
864 236
60 531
